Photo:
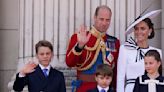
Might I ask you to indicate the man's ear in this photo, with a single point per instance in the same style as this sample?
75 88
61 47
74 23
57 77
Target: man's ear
52 54
36 55
95 17
150 30
159 63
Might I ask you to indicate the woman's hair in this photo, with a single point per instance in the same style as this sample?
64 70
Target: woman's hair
151 26
156 55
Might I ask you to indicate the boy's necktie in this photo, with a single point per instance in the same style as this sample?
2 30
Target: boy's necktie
45 72
102 90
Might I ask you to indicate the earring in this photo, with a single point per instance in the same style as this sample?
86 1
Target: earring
149 34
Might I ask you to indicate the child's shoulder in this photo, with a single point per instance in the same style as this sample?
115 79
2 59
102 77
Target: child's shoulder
56 71
161 78
111 89
93 90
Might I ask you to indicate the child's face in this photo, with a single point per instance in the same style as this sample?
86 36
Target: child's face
151 65
103 81
44 55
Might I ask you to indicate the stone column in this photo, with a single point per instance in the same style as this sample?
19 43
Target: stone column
162 33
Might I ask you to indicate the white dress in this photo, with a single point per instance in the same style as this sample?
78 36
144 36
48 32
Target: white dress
130 66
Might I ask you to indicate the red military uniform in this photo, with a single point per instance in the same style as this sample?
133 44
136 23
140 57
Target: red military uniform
101 48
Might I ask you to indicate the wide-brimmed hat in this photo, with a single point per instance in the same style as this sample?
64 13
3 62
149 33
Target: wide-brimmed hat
150 15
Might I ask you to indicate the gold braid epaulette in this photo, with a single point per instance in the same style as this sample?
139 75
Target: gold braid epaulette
98 35
81 68
95 33
98 46
94 47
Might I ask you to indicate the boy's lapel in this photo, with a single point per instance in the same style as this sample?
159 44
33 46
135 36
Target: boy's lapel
51 75
43 81
39 72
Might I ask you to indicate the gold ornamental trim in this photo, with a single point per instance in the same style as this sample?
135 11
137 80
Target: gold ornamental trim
81 68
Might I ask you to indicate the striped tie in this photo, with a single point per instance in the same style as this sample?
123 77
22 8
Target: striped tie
45 72
102 90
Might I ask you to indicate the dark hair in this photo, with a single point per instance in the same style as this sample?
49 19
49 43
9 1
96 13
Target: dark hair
156 55
151 26
43 43
102 7
104 69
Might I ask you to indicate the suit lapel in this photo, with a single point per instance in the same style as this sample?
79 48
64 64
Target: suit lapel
96 90
43 81
39 72
110 90
51 75
50 78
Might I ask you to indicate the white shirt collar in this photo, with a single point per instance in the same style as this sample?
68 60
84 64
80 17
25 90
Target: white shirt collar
100 88
42 67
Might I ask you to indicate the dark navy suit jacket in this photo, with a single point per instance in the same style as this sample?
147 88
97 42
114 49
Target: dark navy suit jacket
144 88
96 90
37 82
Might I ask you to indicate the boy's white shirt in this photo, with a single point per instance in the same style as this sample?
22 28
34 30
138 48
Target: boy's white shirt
48 67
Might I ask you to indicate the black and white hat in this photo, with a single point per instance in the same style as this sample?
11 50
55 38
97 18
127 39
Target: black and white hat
150 15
